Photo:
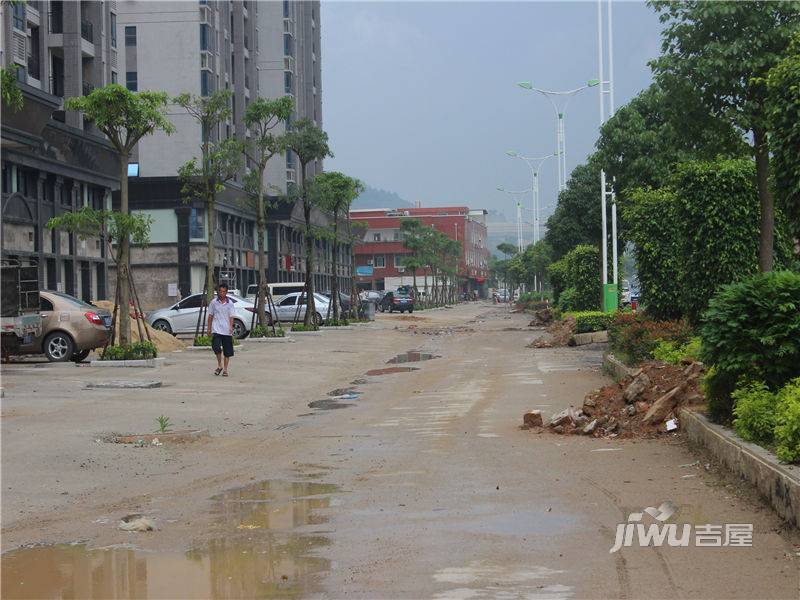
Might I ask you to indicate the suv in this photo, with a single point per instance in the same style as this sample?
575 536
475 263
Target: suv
398 300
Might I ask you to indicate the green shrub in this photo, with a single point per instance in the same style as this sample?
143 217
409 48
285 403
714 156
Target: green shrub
261 331
202 340
136 351
583 274
302 327
335 323
787 422
673 353
754 412
557 274
634 336
588 321
568 300
752 329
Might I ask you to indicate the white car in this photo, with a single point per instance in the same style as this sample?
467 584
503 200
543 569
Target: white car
292 307
182 316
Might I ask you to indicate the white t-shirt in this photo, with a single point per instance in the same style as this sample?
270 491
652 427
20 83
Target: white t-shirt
222 313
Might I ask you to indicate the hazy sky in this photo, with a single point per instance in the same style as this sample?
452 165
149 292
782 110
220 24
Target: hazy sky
420 97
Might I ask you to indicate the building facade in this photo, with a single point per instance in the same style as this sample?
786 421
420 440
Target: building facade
52 160
382 247
250 48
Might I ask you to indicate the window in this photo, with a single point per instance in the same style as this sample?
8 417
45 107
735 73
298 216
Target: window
287 82
192 302
287 301
196 223
45 304
133 169
376 237
19 16
132 81
286 9
114 77
205 37
205 83
113 30
398 260
379 261
130 35
287 45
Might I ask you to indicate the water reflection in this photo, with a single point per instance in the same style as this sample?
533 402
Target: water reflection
267 547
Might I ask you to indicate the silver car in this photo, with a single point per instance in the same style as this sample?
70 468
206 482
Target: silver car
182 316
292 307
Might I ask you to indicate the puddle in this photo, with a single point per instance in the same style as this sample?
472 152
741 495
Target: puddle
260 553
390 370
328 404
410 356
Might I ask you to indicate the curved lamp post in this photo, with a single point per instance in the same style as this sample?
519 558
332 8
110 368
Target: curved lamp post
531 161
513 193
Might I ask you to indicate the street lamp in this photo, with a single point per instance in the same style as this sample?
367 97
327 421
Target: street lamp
513 193
530 161
560 100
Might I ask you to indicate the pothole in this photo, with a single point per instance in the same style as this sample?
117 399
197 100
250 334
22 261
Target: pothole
390 370
411 356
259 552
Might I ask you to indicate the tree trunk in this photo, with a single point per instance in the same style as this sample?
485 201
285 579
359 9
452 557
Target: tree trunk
353 295
124 262
767 242
335 267
262 275
309 240
210 258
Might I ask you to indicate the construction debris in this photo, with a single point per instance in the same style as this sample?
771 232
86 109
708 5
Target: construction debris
541 318
558 334
645 405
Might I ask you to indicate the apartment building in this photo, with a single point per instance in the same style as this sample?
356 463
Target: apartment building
199 47
53 161
379 254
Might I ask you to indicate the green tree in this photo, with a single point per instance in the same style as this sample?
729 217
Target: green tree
576 218
642 142
783 111
335 192
507 248
262 116
309 143
220 161
124 117
724 51
417 239
11 94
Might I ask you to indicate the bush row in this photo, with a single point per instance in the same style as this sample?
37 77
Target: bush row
575 279
135 351
635 336
587 321
769 418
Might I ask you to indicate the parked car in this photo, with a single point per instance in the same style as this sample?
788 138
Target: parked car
277 290
293 307
182 316
398 300
71 328
344 301
371 296
501 296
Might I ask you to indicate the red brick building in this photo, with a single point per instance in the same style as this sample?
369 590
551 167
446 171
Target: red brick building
382 246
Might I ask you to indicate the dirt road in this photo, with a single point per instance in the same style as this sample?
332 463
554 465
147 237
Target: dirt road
322 480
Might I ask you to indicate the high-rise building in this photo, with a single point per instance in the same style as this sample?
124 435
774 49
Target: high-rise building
53 161
289 64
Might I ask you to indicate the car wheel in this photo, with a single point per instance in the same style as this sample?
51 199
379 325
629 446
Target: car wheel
162 325
317 319
59 347
80 356
410 310
239 330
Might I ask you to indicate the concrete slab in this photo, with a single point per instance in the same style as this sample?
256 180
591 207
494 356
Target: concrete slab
149 363
123 384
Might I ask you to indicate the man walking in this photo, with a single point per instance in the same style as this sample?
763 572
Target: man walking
220 326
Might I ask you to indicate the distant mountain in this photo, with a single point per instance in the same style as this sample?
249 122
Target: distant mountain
375 198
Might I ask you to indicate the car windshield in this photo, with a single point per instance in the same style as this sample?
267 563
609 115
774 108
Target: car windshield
72 300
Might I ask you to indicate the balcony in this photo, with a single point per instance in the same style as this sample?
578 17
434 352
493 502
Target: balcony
87 31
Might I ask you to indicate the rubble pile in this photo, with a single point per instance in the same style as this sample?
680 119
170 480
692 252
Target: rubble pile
541 318
558 334
644 405
165 342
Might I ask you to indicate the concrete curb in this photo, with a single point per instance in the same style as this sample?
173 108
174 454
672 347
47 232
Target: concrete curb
122 385
149 363
615 367
294 333
593 337
778 484
337 328
208 348
270 340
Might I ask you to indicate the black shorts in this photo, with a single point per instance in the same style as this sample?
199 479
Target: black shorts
222 343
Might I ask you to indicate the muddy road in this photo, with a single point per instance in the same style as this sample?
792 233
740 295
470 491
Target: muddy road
383 461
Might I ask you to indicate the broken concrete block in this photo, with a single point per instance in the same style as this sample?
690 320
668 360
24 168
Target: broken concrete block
560 418
630 410
642 406
558 429
663 406
636 388
532 418
590 427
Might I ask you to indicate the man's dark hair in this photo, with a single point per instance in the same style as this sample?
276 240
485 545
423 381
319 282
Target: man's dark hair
222 285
